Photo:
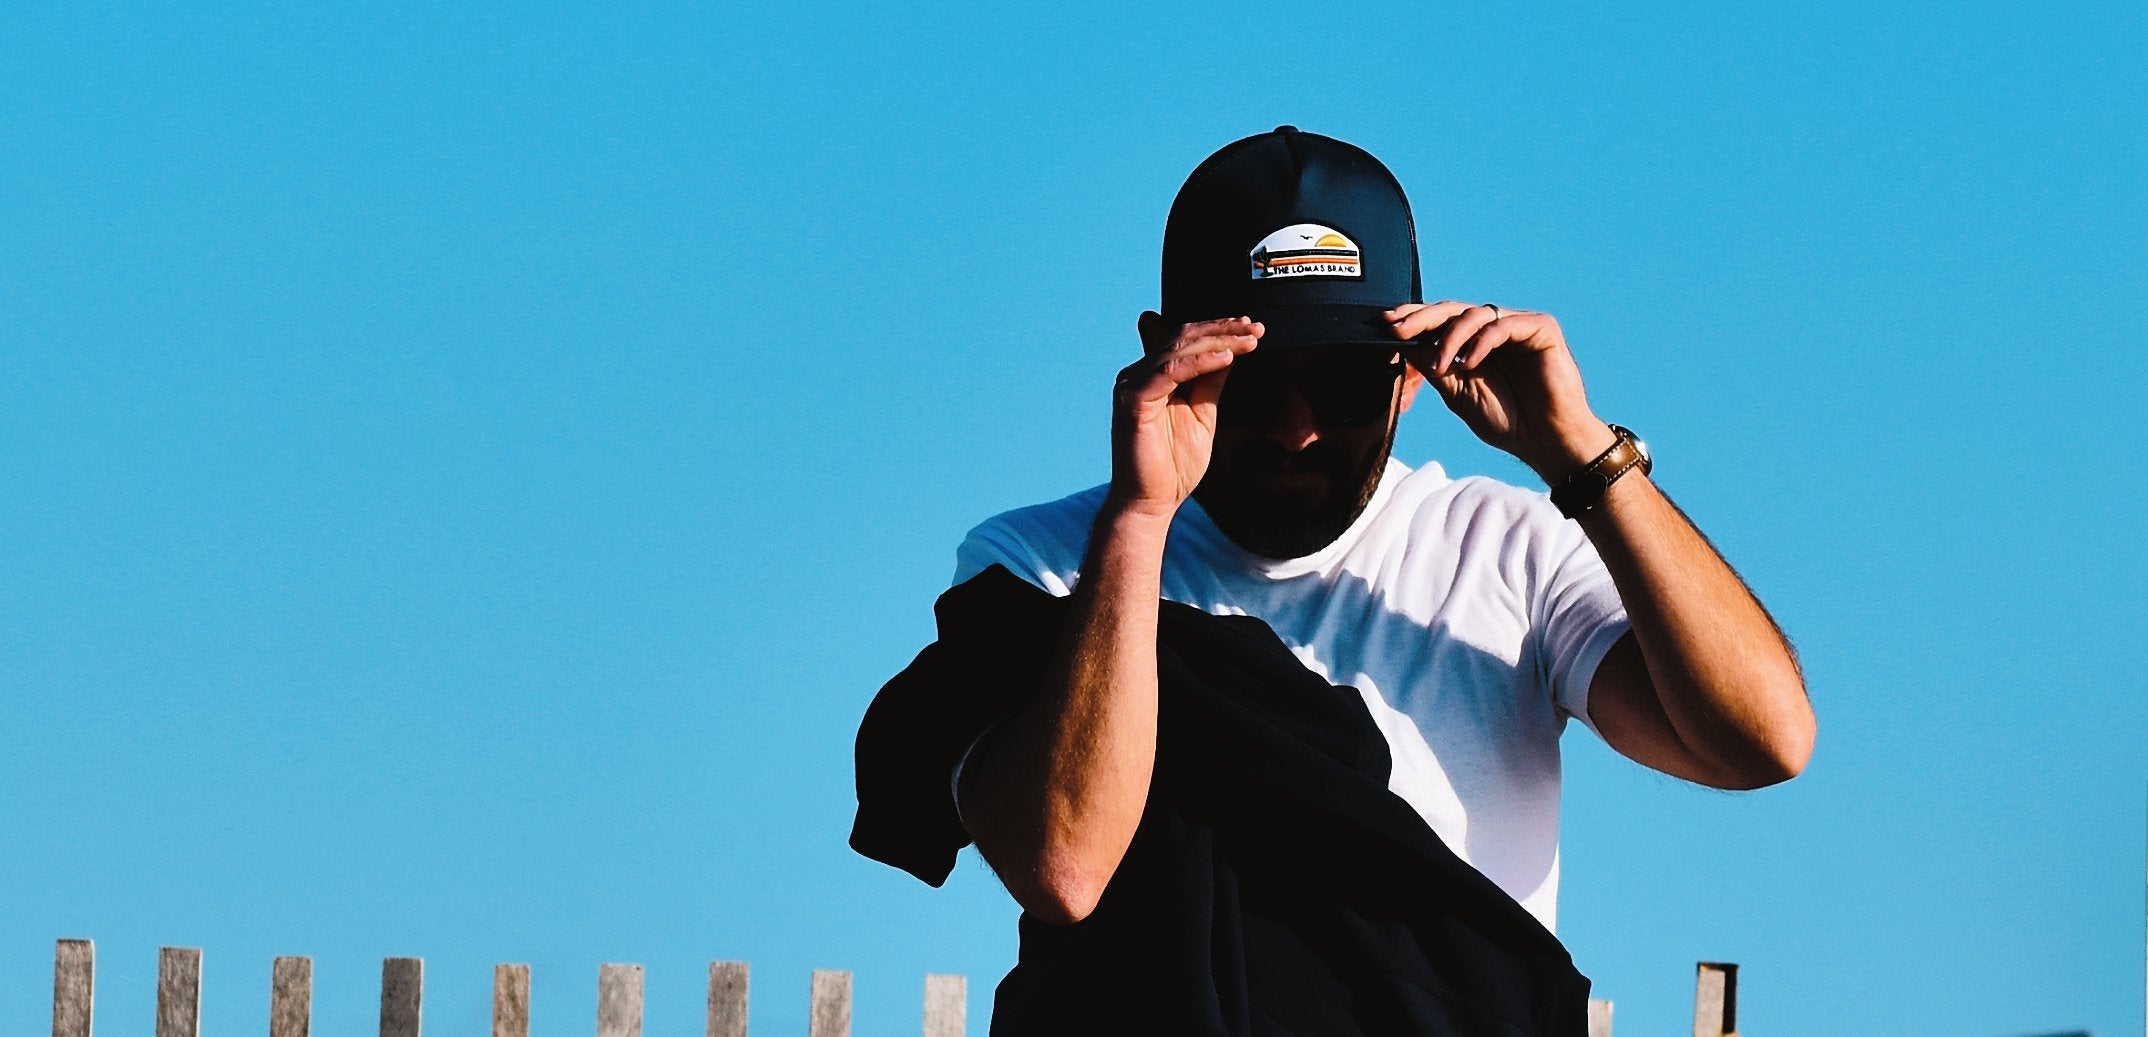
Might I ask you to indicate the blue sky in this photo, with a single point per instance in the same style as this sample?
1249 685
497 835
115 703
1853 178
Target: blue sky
467 468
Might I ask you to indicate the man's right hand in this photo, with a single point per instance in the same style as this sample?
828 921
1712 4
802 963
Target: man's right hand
1163 419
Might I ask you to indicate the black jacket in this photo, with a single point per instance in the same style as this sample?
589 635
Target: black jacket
1274 885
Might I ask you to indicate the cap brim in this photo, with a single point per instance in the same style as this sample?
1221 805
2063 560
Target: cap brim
1307 325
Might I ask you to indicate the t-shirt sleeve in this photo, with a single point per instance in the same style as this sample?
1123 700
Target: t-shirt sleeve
990 544
1578 617
1041 545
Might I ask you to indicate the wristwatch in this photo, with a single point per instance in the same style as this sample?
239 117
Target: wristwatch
1578 493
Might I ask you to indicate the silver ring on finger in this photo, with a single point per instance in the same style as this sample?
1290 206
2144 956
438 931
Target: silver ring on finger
1495 311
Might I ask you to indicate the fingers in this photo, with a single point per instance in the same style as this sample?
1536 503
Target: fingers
1415 318
1452 337
1164 375
1464 330
1423 325
1470 345
1220 325
1202 348
1522 328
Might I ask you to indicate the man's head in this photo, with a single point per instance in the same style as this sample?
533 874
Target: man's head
1302 438
1313 238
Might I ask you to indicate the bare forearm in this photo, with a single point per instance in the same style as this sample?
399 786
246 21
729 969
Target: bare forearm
1723 676
1052 796
1056 791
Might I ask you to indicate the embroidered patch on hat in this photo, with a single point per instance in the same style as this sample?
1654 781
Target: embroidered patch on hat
1305 250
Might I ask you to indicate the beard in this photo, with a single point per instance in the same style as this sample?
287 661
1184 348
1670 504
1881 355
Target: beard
1281 503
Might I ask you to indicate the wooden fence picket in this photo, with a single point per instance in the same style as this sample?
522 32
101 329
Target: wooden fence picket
511 1001
946 1005
1715 999
290 997
619 1000
402 996
74 985
727 998
831 1004
179 992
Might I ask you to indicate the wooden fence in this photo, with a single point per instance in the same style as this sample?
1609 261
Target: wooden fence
402 998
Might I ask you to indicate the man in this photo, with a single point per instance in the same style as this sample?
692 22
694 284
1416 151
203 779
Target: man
1473 617
1263 733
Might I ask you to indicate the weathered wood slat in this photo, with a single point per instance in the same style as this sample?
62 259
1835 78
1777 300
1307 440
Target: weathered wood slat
290 997
727 998
946 1005
402 996
1715 999
1599 1018
179 992
831 1004
74 987
619 1000
511 1001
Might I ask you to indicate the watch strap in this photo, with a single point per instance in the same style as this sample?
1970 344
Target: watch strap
1579 493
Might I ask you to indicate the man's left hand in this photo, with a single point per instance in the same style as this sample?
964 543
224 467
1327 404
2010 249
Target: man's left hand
1509 376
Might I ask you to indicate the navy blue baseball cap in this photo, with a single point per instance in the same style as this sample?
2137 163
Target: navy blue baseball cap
1306 234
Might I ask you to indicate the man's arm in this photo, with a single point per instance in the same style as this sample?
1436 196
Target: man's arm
1053 794
1705 687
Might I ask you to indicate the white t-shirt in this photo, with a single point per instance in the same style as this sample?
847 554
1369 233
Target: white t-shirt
1469 613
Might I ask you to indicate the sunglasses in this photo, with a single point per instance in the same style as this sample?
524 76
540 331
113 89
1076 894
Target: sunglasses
1344 389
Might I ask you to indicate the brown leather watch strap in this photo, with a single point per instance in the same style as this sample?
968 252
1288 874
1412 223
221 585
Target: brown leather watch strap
1578 493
